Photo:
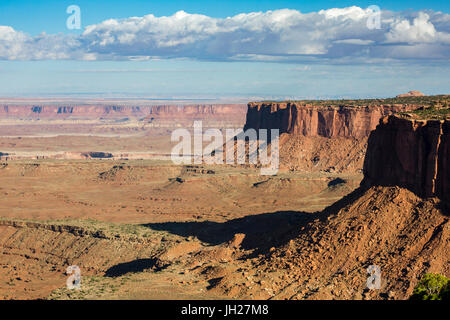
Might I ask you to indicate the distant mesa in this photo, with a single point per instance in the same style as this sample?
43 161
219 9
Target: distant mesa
225 113
412 93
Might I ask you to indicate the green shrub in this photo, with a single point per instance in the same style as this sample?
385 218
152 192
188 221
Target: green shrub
432 287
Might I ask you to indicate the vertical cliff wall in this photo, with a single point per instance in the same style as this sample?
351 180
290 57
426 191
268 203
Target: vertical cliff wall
412 154
306 129
312 120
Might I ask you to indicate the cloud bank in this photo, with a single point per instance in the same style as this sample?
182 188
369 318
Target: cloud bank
338 34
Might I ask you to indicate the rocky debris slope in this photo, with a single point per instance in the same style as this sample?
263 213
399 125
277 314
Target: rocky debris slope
320 154
328 258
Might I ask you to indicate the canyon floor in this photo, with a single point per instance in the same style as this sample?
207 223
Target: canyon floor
148 229
53 210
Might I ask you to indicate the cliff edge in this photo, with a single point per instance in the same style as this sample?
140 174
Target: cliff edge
320 135
319 120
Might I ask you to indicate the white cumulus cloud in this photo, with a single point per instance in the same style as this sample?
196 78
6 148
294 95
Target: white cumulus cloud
420 30
279 35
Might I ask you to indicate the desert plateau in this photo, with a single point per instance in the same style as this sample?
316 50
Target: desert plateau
80 187
224 159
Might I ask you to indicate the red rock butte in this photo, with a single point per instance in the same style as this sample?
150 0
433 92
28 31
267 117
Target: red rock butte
412 93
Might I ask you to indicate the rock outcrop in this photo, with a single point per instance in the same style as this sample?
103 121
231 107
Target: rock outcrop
325 121
414 154
412 93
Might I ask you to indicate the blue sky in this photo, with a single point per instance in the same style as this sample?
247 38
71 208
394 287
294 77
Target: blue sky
299 53
49 15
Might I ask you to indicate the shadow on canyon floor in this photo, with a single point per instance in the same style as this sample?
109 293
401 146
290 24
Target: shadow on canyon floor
132 266
262 231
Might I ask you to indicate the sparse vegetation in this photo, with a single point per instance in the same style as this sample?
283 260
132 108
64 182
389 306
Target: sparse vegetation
431 107
91 287
432 287
435 112
426 101
109 230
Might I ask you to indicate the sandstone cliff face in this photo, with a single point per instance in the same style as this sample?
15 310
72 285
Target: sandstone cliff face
410 153
325 121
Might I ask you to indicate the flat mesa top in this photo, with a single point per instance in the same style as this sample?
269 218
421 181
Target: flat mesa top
428 113
436 100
